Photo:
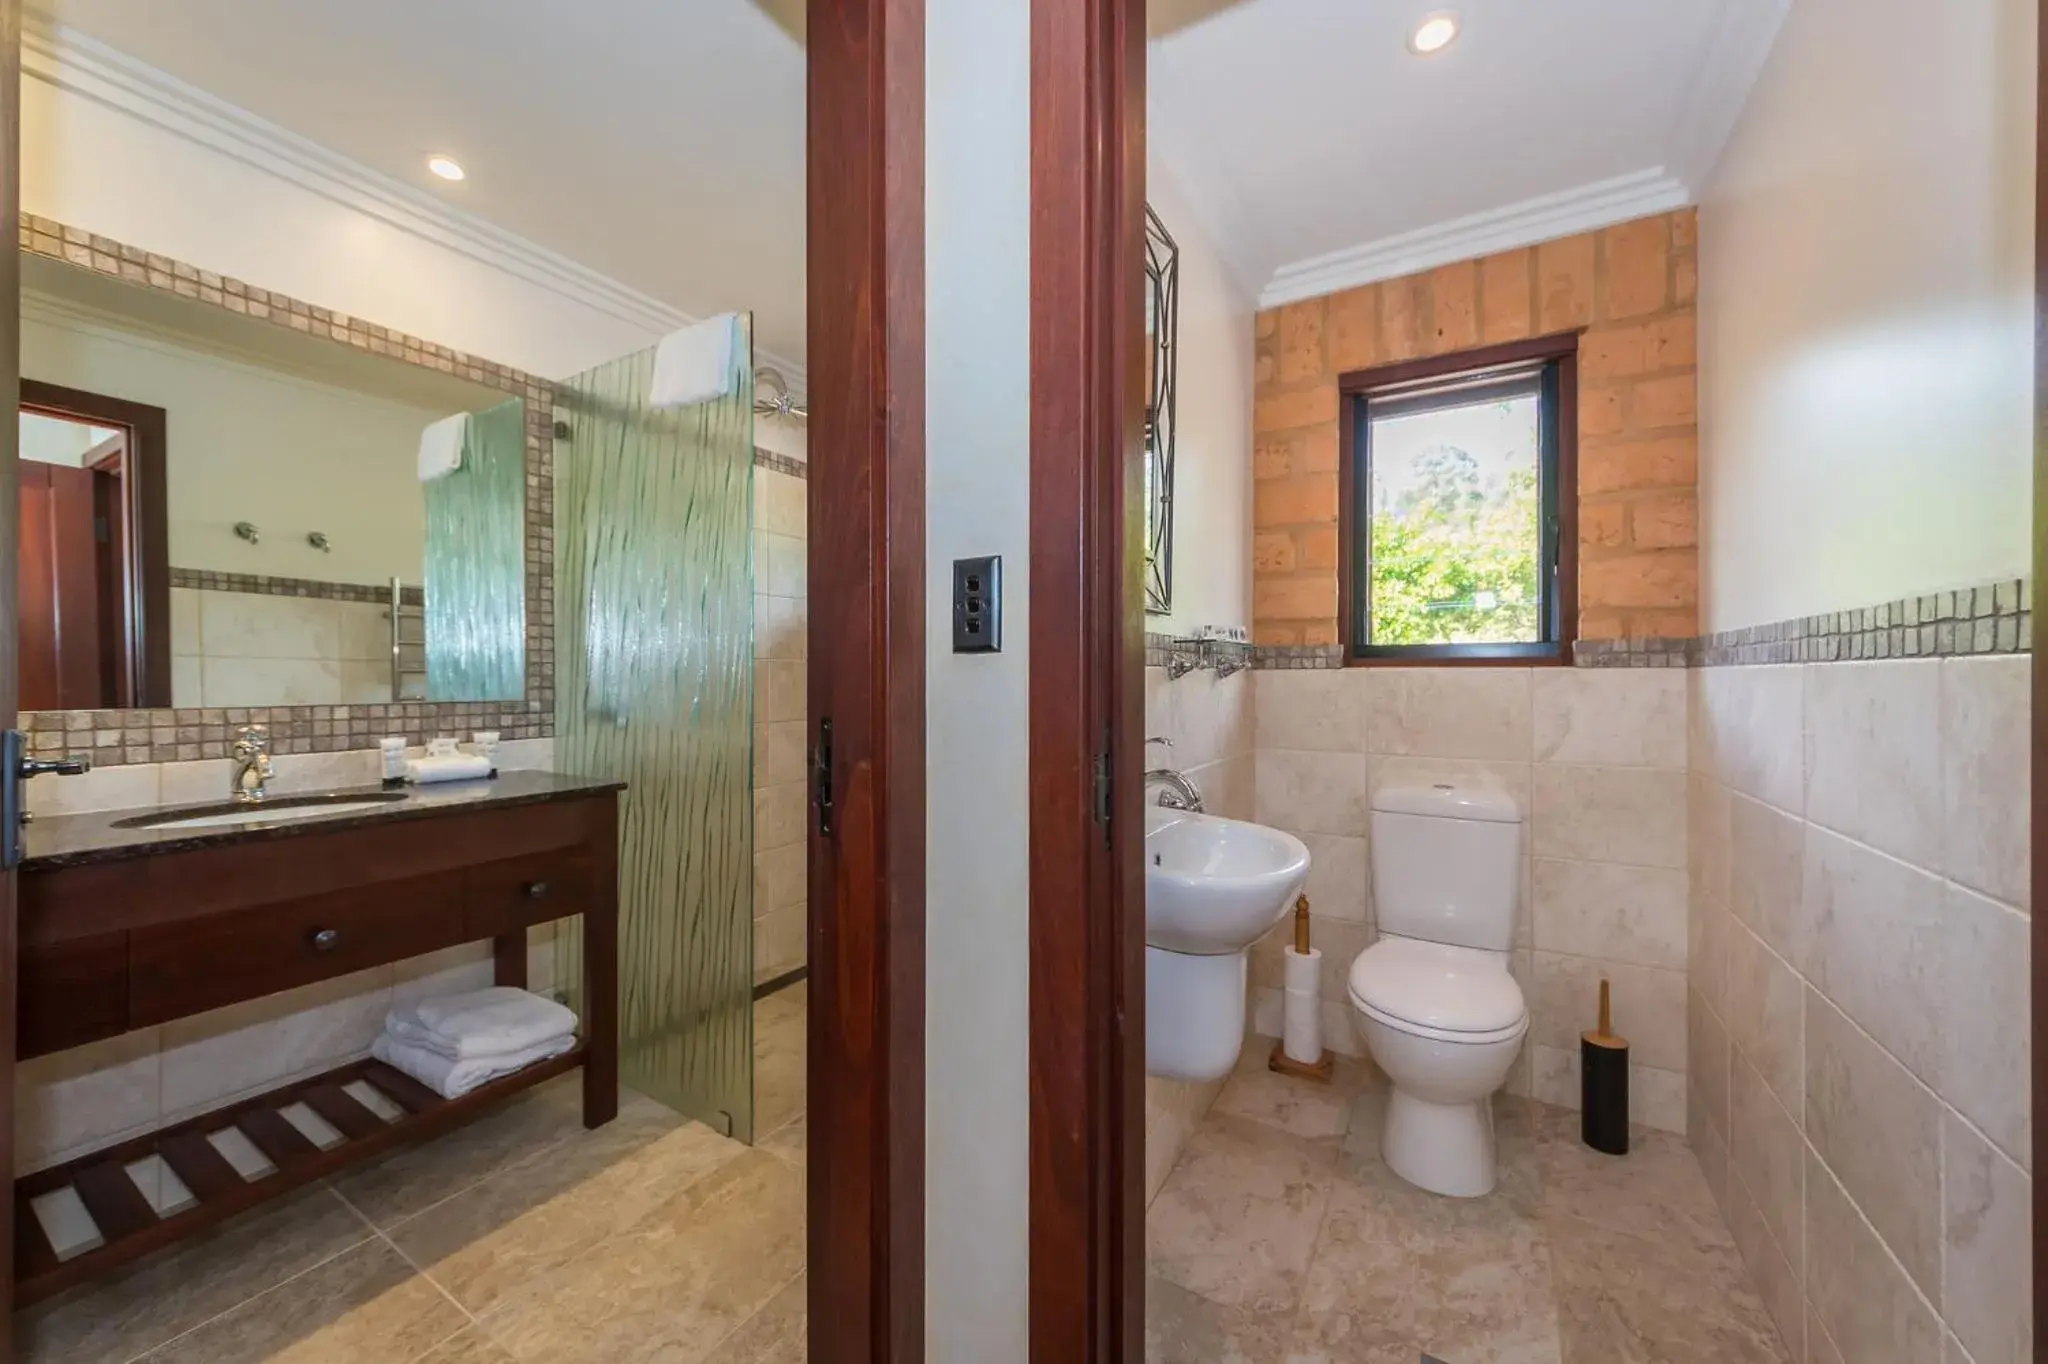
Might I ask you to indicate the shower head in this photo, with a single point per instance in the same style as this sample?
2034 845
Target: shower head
772 397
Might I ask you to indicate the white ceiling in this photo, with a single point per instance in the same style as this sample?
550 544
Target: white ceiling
1302 128
661 144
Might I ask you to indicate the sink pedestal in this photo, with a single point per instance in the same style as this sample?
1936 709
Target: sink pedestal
1194 1013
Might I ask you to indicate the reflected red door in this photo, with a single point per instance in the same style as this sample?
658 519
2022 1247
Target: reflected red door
61 666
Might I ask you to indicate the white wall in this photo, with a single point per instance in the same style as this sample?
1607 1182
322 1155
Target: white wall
92 165
1212 479
1866 276
978 420
251 444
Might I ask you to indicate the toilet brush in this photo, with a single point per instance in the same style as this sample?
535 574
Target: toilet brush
1301 1052
1603 1084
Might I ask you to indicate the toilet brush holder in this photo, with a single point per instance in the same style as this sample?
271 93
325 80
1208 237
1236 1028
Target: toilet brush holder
1301 1052
1603 1084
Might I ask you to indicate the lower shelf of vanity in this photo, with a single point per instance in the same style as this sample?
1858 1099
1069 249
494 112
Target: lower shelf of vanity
130 1226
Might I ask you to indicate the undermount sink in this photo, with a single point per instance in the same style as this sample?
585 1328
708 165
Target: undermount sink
1214 885
274 810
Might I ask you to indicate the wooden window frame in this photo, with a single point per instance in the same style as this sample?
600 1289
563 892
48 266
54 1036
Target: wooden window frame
1354 389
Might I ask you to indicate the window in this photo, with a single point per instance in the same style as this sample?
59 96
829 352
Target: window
1459 488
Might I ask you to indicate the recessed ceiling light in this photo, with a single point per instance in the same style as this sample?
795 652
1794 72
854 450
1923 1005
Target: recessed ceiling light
1433 34
447 167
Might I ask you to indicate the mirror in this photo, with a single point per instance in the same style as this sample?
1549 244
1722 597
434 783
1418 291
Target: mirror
1162 311
219 511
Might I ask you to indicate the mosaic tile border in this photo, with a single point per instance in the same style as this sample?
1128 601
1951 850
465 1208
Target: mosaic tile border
263 585
1991 618
1235 654
781 464
185 734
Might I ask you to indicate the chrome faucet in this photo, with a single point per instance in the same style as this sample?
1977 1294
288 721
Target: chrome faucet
1179 792
252 764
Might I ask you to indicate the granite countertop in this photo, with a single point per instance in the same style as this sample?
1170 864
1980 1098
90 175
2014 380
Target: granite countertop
55 841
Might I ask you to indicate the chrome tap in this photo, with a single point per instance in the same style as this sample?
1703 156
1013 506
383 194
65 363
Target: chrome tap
252 764
1179 792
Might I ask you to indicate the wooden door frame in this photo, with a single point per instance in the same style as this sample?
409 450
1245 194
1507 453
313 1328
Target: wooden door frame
866 288
10 454
1087 1064
146 493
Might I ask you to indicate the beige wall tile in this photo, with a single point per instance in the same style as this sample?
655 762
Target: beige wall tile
1616 717
1751 726
1767 1155
1708 813
133 787
1631 815
1873 754
1708 1147
778 691
1656 1097
1339 878
1649 1007
196 783
185 622
1765 848
1876 945
1986 1063
1172 1109
270 681
253 1046
779 940
1985 834
1159 720
1451 713
786 567
1322 793
779 816
1766 1015
779 503
1320 710
255 625
1869 1309
1635 915
304 772
779 752
1986 1229
1227 787
779 878
1770 1273
1708 930
1708 1057
86 1097
1213 718
1880 1133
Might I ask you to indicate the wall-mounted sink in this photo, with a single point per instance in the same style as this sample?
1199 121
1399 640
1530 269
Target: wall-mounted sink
1213 887
276 809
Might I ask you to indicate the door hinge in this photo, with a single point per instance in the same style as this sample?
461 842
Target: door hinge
821 778
1105 793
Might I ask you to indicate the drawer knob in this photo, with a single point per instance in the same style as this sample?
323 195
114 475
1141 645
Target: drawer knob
326 940
536 890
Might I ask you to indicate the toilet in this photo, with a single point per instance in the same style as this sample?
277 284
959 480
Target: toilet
1438 1008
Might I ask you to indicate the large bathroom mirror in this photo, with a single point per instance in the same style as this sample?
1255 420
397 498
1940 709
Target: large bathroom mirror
1162 310
219 511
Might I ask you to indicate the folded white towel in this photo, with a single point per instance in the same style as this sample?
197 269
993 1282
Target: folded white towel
442 445
495 1021
694 365
452 1079
454 767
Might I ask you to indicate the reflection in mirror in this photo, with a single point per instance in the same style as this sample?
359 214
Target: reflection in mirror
1162 316
218 511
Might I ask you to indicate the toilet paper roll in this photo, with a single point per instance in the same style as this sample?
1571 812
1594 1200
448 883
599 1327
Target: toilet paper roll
1305 972
1301 1027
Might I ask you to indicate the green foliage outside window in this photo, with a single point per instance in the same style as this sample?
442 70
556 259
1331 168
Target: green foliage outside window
1454 561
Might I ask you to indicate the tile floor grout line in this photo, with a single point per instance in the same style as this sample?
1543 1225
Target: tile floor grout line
294 1278
766 1302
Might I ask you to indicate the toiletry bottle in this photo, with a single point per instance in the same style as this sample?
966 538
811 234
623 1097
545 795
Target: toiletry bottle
392 751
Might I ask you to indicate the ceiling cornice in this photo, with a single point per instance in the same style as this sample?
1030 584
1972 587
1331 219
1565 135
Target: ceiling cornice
1527 223
1730 62
82 65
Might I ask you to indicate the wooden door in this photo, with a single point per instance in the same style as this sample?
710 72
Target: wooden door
59 593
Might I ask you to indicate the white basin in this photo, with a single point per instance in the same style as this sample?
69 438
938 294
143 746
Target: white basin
1213 885
260 815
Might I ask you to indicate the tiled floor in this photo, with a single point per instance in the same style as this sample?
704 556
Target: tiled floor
519 1238
1282 1238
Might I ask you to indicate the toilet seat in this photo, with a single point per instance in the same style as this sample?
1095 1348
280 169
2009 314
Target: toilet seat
1439 991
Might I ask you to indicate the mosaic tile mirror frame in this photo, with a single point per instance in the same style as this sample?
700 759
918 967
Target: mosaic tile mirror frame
115 737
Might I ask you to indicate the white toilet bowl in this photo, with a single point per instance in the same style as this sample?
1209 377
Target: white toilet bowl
1445 1024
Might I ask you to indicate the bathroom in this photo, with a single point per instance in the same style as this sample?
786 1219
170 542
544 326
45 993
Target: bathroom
1737 743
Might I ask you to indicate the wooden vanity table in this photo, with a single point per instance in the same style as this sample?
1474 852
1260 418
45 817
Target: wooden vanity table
125 927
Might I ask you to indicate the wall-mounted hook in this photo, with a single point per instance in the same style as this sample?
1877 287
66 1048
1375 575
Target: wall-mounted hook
246 531
318 540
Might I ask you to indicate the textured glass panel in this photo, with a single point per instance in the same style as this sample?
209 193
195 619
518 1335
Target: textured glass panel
655 686
476 565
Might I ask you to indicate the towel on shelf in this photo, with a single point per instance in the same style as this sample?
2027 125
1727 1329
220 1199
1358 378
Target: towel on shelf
455 767
694 365
442 445
498 1020
452 1079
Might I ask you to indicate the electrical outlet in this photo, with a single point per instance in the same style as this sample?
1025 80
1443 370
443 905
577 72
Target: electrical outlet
978 605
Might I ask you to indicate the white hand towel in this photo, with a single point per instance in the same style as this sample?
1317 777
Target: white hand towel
441 447
497 1018
453 767
452 1079
694 365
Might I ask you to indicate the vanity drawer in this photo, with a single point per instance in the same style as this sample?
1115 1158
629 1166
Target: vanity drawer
176 970
519 891
72 992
